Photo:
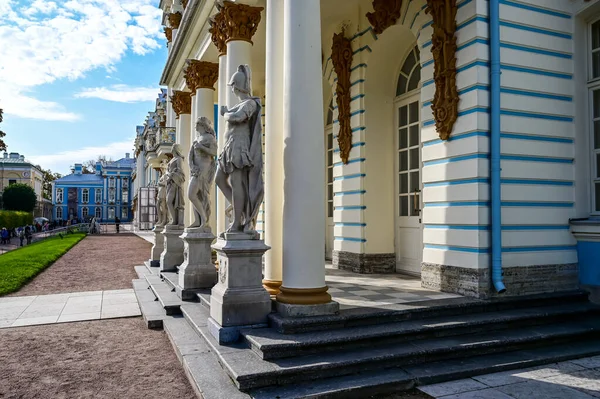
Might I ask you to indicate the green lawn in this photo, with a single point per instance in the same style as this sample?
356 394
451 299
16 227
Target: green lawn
19 266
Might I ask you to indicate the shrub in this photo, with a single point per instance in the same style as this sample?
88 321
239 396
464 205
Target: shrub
13 219
19 197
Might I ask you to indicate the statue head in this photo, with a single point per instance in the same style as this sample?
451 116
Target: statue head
176 151
241 81
203 124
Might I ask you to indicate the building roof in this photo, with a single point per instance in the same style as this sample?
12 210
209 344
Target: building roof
121 163
82 178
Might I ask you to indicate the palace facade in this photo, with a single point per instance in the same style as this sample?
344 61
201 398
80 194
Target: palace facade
104 194
452 140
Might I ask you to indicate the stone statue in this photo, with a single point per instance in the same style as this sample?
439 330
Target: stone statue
161 201
202 171
239 172
174 179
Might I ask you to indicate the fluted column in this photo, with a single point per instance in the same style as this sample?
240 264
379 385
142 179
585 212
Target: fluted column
182 104
303 157
201 77
274 147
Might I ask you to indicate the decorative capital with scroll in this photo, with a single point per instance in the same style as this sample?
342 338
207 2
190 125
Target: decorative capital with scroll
217 32
174 20
169 34
241 21
182 102
200 74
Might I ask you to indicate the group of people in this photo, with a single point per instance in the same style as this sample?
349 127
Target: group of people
24 233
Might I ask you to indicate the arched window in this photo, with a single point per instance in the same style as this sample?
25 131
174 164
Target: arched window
84 212
85 195
410 74
59 195
111 213
98 212
59 213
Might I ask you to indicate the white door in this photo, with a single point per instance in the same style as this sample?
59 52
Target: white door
409 237
329 193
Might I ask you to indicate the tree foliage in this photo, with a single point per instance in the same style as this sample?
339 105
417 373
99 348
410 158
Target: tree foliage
89 167
47 178
19 197
2 134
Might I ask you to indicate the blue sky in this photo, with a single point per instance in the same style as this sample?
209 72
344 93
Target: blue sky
77 76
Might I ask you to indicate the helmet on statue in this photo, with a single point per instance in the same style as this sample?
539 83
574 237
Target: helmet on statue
241 80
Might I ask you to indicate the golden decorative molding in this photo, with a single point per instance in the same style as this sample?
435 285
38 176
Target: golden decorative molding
241 21
184 3
216 30
200 75
182 102
443 39
272 286
174 20
385 14
304 296
169 34
341 58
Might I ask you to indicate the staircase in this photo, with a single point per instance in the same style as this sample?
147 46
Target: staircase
359 353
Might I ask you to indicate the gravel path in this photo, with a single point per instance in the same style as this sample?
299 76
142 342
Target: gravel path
118 358
96 263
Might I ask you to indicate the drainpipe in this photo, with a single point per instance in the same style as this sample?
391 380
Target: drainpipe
496 191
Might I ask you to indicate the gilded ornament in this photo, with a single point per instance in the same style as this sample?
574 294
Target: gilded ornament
341 57
184 3
241 21
169 34
216 30
443 39
174 20
182 102
200 75
385 14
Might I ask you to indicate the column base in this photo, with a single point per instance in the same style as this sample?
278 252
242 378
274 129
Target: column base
272 286
364 263
289 310
304 296
197 271
239 298
172 255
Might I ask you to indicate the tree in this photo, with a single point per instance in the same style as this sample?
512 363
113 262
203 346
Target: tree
2 134
47 178
19 197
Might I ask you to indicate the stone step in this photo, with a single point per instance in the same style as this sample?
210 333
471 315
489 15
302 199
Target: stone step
393 380
172 279
204 298
142 271
152 312
168 299
249 371
423 309
270 344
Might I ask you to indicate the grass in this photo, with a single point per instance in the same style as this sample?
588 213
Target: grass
19 266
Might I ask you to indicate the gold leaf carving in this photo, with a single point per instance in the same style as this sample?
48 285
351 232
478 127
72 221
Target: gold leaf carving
200 75
241 21
184 3
182 102
341 57
217 32
174 20
385 14
443 39
169 34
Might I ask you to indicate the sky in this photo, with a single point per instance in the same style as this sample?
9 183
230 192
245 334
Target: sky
77 76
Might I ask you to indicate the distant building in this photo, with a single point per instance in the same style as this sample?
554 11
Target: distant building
104 194
14 168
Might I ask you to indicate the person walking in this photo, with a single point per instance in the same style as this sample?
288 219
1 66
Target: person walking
4 235
28 234
117 223
21 236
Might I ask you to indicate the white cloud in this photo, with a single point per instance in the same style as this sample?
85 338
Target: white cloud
45 41
120 93
62 161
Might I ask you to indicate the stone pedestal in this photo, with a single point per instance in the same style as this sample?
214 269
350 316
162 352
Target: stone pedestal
197 270
239 299
158 247
172 255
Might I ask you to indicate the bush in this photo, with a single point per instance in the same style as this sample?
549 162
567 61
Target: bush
13 219
19 197
19 266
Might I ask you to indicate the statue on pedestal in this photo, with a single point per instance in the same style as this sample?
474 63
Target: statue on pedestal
174 179
202 171
161 201
239 172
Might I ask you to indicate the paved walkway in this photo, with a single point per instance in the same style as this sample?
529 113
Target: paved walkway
63 308
575 379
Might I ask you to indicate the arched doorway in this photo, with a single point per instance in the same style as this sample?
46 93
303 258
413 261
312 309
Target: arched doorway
409 237
329 224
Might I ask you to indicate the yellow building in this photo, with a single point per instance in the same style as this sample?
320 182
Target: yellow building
14 168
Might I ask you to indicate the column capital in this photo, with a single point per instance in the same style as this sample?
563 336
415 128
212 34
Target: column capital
217 32
385 14
174 20
169 34
200 74
241 21
182 102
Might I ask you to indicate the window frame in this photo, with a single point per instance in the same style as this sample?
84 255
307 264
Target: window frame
85 211
60 195
98 195
85 192
592 85
59 208
96 211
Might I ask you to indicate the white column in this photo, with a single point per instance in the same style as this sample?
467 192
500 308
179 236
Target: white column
238 53
303 157
274 147
222 100
183 139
